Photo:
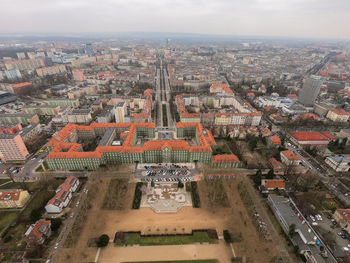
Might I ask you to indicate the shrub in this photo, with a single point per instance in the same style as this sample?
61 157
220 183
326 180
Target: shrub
195 195
35 215
180 184
7 239
103 240
137 196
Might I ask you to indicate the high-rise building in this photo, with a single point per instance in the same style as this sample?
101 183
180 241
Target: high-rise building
12 148
27 64
310 90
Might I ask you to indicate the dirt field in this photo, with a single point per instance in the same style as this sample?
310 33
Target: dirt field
235 218
113 254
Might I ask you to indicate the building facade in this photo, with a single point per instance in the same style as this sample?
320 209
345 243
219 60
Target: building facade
12 148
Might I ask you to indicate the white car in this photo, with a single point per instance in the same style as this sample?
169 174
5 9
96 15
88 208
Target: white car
346 249
56 246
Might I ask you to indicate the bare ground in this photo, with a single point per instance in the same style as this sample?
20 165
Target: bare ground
235 218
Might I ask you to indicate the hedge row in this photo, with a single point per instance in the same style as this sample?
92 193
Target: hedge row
137 196
195 196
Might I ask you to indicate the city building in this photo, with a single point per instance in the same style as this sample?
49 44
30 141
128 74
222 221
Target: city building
13 198
63 195
119 111
23 118
6 97
311 138
106 115
47 110
78 116
289 158
342 217
274 141
27 64
121 143
63 102
78 75
338 115
272 184
20 88
338 163
12 148
13 74
37 233
52 70
310 90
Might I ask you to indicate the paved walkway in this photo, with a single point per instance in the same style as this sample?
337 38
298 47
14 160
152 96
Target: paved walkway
221 252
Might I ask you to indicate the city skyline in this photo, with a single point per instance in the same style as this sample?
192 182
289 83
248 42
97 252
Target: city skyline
270 18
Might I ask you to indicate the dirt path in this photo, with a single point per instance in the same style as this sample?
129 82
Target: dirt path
91 225
112 254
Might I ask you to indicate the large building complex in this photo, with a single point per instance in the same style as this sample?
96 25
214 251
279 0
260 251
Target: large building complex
23 118
27 64
12 148
131 142
52 70
13 198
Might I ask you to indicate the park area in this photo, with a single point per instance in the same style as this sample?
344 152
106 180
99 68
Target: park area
221 208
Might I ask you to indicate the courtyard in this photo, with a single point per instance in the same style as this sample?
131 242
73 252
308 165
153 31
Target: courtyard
165 197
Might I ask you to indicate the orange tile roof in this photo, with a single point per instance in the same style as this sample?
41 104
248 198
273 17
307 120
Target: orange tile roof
272 184
276 165
275 139
10 194
225 158
290 155
312 136
37 228
20 85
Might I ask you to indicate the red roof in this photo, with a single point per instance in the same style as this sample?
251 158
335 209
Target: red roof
225 158
20 85
290 155
11 194
272 184
275 139
276 165
312 136
345 213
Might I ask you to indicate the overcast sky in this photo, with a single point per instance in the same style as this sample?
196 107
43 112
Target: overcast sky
294 18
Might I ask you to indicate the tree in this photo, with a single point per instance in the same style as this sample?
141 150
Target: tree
252 143
103 240
291 231
55 223
270 174
180 184
257 177
227 236
35 215
152 183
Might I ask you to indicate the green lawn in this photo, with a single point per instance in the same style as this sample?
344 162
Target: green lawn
6 218
197 237
179 261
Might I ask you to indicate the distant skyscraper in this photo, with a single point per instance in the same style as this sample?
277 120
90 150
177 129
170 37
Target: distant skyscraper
88 49
310 90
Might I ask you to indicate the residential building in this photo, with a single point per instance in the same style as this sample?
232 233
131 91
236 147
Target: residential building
47 110
63 102
338 163
37 233
272 184
289 158
13 198
78 75
78 116
6 97
342 217
63 195
106 115
12 148
27 64
310 90
274 141
338 115
19 117
275 165
13 74
20 88
52 70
